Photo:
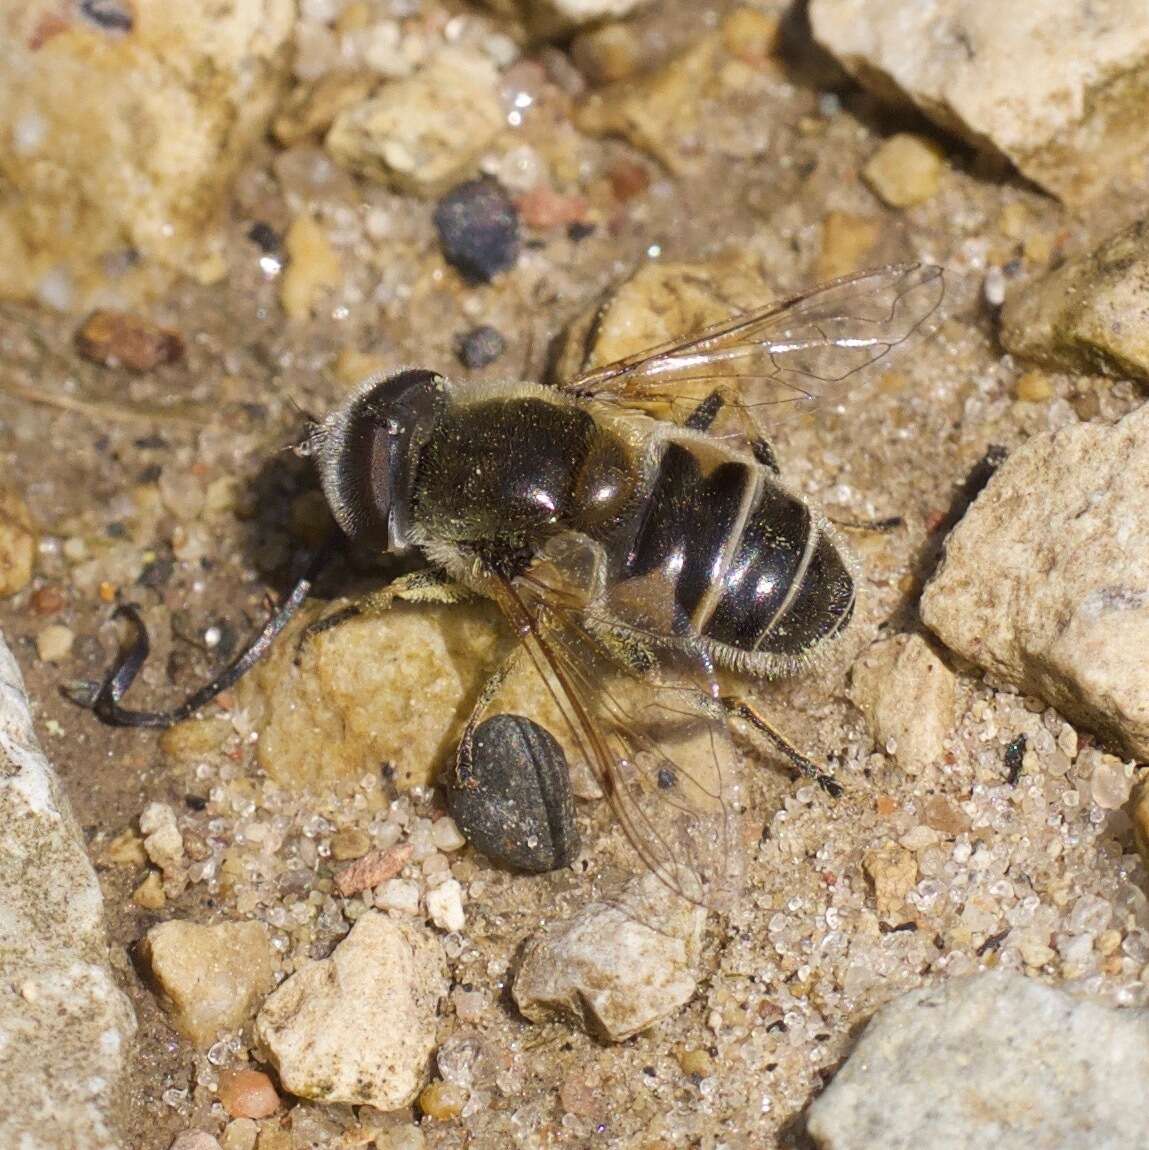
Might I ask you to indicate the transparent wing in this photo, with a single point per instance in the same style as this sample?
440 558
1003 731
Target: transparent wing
793 353
646 716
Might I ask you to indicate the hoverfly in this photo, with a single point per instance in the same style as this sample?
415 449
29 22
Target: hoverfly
632 556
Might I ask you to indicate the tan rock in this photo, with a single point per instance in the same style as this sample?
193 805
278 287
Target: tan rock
905 170
423 133
615 968
359 1026
144 161
17 544
1091 314
907 694
1045 582
1056 86
210 978
313 267
893 872
659 112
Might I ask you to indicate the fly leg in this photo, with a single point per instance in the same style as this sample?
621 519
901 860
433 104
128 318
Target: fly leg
740 708
702 419
428 586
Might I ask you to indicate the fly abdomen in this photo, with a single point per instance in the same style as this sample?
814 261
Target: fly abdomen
786 588
688 525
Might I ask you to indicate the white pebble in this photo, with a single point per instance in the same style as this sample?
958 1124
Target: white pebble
398 894
445 834
54 642
445 906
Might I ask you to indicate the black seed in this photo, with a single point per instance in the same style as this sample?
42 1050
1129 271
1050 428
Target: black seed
478 226
480 346
511 795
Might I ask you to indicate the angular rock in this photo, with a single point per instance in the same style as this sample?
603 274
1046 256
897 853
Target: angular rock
423 133
359 1026
1056 86
907 696
174 95
1091 314
1045 581
905 170
211 978
64 1024
615 968
892 871
993 1060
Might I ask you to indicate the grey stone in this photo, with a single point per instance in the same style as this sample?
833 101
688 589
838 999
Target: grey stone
993 1060
1045 581
617 967
64 1024
1091 314
1056 86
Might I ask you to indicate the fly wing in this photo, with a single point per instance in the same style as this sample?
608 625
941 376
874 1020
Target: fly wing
646 716
793 353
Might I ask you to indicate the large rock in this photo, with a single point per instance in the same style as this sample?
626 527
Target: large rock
1045 582
994 1060
64 1024
423 133
359 1026
615 968
1091 314
211 978
121 126
1056 86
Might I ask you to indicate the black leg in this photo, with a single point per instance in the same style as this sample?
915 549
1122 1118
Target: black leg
702 419
741 709
106 703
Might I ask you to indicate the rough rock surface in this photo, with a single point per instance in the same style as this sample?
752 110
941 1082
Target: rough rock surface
211 977
64 1024
1045 582
1091 314
907 695
174 95
615 968
421 134
359 1026
994 1060
1057 86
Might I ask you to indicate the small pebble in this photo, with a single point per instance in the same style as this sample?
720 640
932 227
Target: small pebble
372 869
349 843
46 601
1033 387
904 171
17 544
194 1140
445 834
445 906
126 849
54 643
247 1093
442 1100
240 1134
314 267
398 894
120 339
480 346
695 1060
149 895
478 226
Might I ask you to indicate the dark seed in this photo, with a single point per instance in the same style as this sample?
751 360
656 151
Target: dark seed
265 237
113 15
511 795
480 346
478 226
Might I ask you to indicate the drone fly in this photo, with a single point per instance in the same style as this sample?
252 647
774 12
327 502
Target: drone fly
633 529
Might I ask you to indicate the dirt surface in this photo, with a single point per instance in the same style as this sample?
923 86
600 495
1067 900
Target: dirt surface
115 468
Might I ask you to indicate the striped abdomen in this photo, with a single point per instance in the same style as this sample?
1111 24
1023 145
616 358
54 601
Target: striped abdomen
750 567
